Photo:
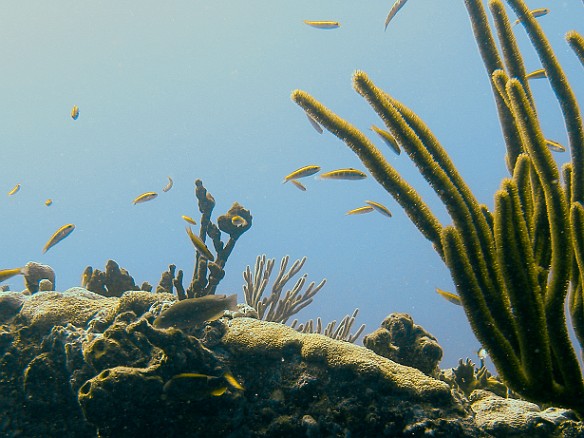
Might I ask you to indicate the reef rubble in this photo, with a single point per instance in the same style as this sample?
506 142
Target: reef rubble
78 364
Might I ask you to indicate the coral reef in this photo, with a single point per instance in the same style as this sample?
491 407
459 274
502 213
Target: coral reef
112 282
404 342
34 273
85 365
512 267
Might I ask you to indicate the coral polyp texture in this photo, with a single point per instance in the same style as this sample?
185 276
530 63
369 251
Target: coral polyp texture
513 266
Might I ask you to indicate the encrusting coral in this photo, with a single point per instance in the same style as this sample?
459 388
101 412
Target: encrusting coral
512 267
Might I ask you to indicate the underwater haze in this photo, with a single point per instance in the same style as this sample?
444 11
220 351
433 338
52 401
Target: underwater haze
201 90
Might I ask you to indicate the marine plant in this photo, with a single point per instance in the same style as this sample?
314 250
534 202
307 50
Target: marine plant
280 307
513 267
277 307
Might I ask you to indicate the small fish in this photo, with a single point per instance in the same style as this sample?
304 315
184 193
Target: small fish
387 138
168 186
482 353
394 10
360 210
15 189
315 124
233 382
453 298
200 245
49 202
185 314
554 146
348 174
144 197
537 74
238 221
75 112
298 184
189 386
380 208
540 12
302 172
59 235
323 24
189 219
5 274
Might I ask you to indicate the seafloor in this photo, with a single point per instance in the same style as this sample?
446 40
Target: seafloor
78 364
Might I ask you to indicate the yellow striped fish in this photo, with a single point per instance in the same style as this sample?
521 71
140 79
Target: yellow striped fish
348 174
144 197
238 221
323 24
387 138
15 189
314 124
540 12
59 235
302 172
298 184
453 298
380 208
189 219
75 112
537 74
5 274
360 210
200 245
554 146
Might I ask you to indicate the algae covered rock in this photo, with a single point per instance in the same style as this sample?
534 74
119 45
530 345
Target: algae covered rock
404 342
506 417
76 306
80 364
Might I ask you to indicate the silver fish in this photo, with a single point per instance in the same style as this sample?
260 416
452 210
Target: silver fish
168 186
394 9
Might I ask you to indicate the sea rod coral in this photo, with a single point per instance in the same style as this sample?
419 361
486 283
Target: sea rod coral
513 267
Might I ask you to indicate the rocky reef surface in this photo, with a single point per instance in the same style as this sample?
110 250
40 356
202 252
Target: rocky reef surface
78 364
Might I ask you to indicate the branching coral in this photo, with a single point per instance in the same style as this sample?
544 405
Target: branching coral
512 267
342 332
278 308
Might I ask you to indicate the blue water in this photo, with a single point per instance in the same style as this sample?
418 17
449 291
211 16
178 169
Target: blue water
193 89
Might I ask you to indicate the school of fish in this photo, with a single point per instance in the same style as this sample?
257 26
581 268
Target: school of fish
293 177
